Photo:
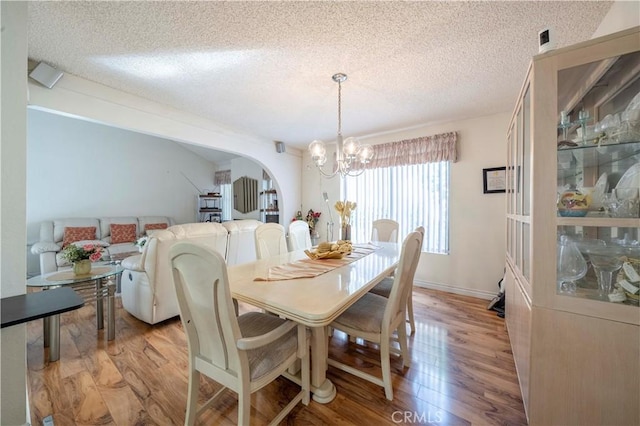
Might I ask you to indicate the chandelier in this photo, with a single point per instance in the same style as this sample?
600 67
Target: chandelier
349 151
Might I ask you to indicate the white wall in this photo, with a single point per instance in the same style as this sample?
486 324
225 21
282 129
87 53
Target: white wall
13 124
477 221
622 15
82 98
77 168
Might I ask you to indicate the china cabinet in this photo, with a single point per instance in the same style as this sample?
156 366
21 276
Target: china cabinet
210 207
573 243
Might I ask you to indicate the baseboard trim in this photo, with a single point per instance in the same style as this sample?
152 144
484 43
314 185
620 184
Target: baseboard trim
456 290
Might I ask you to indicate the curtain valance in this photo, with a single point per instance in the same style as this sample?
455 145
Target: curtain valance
425 149
222 177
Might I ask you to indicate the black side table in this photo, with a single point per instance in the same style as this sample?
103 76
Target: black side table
42 304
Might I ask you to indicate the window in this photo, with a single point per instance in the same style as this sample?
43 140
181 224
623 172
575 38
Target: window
412 195
407 181
222 178
226 192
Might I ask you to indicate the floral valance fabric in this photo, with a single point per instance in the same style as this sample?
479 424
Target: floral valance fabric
222 177
425 149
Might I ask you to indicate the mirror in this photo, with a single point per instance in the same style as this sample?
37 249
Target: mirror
245 194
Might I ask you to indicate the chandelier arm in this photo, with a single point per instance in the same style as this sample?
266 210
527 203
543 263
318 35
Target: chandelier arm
351 174
325 174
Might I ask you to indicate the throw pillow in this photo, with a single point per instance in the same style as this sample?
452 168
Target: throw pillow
79 233
151 226
123 233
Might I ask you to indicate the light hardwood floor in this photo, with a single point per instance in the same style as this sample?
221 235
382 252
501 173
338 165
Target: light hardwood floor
462 373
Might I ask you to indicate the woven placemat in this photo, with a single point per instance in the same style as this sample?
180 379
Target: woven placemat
69 275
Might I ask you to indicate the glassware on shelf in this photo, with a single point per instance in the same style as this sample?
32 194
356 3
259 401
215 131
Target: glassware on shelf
565 123
609 128
583 119
571 265
606 263
623 202
629 199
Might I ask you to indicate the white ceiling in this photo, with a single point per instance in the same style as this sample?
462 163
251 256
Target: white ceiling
265 68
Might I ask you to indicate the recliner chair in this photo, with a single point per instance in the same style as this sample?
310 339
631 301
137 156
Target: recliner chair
147 288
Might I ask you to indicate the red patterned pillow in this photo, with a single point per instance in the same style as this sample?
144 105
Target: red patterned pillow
73 234
123 233
150 226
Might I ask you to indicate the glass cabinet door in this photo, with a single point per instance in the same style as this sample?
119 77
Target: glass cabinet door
519 187
598 180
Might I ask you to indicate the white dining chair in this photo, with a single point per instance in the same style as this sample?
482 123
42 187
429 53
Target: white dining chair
383 288
270 240
375 318
242 353
385 230
299 235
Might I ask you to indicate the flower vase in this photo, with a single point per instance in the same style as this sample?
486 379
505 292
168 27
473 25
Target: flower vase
82 267
345 232
315 238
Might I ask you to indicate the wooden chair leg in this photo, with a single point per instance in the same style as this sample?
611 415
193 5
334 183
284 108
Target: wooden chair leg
385 363
404 350
192 397
412 322
244 403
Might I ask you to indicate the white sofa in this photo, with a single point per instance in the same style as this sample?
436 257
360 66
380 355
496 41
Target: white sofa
147 288
52 234
242 241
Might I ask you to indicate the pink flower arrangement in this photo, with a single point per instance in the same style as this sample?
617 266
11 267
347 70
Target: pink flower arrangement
73 253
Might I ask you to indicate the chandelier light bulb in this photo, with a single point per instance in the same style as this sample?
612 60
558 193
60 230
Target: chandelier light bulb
317 150
365 155
351 147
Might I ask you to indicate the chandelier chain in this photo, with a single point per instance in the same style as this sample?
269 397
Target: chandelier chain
339 107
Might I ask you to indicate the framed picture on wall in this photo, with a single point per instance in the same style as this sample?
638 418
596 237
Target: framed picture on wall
494 180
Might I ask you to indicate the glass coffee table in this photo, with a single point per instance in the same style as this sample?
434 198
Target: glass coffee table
98 285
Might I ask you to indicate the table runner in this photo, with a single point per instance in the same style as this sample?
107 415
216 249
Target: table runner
309 268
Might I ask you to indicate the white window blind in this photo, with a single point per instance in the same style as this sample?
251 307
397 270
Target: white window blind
407 181
413 195
226 192
222 178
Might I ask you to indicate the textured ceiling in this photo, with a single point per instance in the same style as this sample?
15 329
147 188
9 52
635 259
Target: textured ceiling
265 68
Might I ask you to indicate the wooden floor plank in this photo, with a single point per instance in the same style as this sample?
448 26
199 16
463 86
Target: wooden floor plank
462 373
87 404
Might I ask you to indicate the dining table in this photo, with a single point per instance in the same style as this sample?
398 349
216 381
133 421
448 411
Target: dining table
315 301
